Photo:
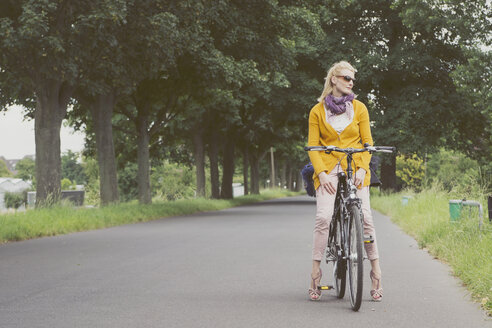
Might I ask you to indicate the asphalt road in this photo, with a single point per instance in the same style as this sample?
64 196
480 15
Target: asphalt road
247 266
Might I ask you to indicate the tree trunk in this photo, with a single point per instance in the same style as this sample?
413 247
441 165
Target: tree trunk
272 172
283 174
227 169
254 161
388 173
245 170
51 107
199 162
297 181
213 155
289 177
143 174
102 114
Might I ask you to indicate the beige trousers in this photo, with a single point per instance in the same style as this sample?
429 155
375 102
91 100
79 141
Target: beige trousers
325 204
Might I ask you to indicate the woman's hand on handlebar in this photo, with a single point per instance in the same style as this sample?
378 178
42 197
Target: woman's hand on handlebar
326 184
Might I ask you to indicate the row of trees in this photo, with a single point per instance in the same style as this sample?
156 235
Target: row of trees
227 79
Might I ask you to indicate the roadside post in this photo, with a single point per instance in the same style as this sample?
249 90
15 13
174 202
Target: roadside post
489 203
457 206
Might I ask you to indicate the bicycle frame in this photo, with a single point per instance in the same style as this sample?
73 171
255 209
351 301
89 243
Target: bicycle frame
349 190
346 195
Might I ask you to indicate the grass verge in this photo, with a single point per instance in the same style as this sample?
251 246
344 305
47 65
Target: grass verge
66 219
461 244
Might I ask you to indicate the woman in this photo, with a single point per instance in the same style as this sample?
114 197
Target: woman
340 120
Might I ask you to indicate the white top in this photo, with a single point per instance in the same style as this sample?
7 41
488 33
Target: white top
340 122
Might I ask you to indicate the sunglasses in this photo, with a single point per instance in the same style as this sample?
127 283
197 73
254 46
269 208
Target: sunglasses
347 78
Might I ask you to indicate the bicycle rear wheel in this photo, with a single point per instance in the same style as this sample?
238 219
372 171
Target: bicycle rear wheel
339 265
355 257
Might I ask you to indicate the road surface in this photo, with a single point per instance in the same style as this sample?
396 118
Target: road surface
247 266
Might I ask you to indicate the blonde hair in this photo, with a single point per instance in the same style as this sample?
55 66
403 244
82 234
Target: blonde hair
334 70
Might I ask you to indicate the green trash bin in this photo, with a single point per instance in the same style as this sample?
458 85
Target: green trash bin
455 206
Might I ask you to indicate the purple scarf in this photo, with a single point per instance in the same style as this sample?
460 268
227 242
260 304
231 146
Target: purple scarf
337 105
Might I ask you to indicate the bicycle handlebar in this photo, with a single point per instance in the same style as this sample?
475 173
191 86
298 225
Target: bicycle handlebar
367 147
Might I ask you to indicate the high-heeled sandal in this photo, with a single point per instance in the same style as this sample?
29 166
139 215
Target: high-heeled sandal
376 294
315 293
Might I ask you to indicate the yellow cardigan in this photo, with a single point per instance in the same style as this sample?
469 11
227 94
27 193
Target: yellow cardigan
321 133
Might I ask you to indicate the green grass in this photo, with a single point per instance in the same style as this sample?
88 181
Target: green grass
461 244
66 219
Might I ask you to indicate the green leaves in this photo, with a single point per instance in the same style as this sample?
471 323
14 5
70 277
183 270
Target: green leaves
257 67
26 169
4 171
411 171
473 80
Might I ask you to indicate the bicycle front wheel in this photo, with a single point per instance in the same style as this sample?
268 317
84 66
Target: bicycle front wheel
355 256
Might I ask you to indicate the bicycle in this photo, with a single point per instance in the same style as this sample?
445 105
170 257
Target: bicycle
345 242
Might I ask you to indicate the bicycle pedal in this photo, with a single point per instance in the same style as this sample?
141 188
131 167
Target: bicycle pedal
368 239
325 287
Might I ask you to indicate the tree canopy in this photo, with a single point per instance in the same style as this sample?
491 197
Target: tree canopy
4 171
211 82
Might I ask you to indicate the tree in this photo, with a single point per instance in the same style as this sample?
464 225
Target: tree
72 169
473 80
40 57
151 43
102 83
254 37
4 171
26 170
405 52
142 45
153 105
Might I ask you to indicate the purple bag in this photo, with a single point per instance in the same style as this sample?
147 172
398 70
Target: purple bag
307 176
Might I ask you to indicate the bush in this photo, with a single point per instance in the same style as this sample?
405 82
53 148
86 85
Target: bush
91 187
66 184
172 181
410 171
92 194
14 199
457 172
127 182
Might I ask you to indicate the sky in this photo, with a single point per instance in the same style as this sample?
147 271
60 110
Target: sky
17 135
